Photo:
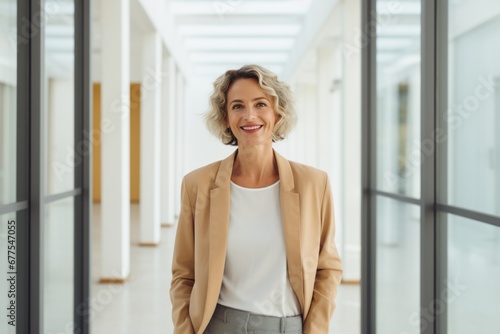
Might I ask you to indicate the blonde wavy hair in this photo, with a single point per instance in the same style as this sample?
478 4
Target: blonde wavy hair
280 93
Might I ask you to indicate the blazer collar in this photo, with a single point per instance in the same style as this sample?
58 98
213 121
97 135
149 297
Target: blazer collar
223 176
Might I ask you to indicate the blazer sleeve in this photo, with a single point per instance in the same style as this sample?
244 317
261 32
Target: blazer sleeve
183 266
328 273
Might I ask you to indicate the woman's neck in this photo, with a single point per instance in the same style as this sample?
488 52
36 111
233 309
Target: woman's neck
255 167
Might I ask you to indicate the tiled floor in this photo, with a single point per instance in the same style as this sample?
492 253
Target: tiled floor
142 305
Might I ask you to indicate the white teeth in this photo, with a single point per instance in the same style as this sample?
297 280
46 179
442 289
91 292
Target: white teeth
251 127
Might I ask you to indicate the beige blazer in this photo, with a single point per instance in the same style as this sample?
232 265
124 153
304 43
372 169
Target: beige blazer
313 264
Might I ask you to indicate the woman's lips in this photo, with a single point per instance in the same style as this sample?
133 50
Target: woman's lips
251 128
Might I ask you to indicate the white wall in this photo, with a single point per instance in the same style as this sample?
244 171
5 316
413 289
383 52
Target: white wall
303 138
201 147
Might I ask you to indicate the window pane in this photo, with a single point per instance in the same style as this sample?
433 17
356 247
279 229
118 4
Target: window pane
58 266
472 285
59 96
398 97
8 269
8 112
398 267
472 114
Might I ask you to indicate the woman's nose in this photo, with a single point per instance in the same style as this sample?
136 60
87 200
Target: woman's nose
249 113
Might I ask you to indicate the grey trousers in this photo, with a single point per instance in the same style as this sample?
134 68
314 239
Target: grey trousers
226 320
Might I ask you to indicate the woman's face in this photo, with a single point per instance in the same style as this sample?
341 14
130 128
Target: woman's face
250 114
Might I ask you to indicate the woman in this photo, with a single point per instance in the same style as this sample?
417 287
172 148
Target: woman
254 251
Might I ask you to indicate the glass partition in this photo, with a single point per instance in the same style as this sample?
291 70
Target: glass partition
399 151
471 289
59 99
58 269
61 159
398 267
472 112
8 89
431 135
39 166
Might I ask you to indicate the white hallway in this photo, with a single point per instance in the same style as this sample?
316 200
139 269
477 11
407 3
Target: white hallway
194 42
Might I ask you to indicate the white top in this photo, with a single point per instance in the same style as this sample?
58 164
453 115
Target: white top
255 275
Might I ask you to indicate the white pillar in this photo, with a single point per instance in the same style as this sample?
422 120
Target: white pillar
337 149
179 139
325 108
150 139
167 216
170 146
115 127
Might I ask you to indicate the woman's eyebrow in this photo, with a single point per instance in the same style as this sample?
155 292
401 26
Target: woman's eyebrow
257 98
233 101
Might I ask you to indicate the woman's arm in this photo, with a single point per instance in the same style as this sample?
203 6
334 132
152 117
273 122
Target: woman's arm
183 267
328 273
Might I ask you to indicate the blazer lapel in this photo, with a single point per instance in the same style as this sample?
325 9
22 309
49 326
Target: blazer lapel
290 215
218 231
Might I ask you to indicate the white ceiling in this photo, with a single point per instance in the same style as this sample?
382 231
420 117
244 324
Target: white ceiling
219 35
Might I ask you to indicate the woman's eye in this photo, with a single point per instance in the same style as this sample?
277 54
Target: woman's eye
237 106
261 104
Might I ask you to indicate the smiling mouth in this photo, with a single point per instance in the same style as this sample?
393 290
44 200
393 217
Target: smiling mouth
251 128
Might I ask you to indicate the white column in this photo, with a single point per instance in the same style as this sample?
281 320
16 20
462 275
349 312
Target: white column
115 127
337 148
325 108
171 142
150 139
179 139
167 216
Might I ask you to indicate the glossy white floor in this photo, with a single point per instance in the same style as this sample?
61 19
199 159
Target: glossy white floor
142 305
